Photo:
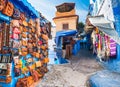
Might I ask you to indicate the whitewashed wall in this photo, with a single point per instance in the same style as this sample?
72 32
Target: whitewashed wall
107 10
103 7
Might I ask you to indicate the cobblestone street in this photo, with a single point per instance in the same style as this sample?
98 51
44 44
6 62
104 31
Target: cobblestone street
73 74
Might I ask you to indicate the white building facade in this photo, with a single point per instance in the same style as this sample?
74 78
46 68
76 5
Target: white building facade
102 7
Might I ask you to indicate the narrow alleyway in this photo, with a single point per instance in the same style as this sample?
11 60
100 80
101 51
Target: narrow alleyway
73 74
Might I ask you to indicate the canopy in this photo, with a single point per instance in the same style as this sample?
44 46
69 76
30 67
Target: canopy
64 33
105 26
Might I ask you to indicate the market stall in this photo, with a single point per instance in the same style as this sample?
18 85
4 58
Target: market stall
104 38
67 34
23 44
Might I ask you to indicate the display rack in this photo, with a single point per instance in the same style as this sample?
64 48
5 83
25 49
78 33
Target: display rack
23 47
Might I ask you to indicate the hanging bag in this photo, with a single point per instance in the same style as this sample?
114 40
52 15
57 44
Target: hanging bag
38 63
16 30
2 4
22 16
16 44
24 42
15 23
16 14
24 35
45 37
46 60
8 10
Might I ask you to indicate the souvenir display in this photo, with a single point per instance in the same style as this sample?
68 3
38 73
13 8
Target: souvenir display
23 47
105 47
2 4
8 9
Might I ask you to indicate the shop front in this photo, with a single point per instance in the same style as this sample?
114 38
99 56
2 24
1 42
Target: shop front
65 41
105 45
23 46
104 38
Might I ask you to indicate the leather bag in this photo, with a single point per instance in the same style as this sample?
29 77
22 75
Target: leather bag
8 10
16 44
8 79
45 37
16 30
16 14
2 4
46 60
38 63
24 35
24 42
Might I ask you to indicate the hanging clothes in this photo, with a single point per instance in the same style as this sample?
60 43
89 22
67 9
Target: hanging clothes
112 47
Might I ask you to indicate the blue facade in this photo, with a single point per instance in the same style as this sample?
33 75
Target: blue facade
116 12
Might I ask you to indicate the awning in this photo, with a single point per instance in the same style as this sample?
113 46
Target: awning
105 26
62 34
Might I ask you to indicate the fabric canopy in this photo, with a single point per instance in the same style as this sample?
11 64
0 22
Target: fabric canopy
64 33
105 26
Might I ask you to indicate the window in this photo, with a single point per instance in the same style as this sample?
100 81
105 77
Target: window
65 27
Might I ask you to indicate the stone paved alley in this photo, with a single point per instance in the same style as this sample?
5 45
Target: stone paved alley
73 74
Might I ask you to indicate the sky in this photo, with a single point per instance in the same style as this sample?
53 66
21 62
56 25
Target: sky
48 9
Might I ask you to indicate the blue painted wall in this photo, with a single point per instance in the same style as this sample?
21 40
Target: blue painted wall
116 12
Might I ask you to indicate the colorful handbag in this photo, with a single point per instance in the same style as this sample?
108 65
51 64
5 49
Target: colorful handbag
24 70
33 30
34 54
8 79
35 75
16 44
25 23
22 16
31 67
46 60
16 14
24 49
24 53
31 23
43 47
8 10
2 4
30 30
45 37
24 42
38 64
24 29
16 30
29 36
17 72
16 60
30 45
39 42
29 60
43 30
24 35
15 23
34 44
15 36
30 41
37 55
30 81
21 28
